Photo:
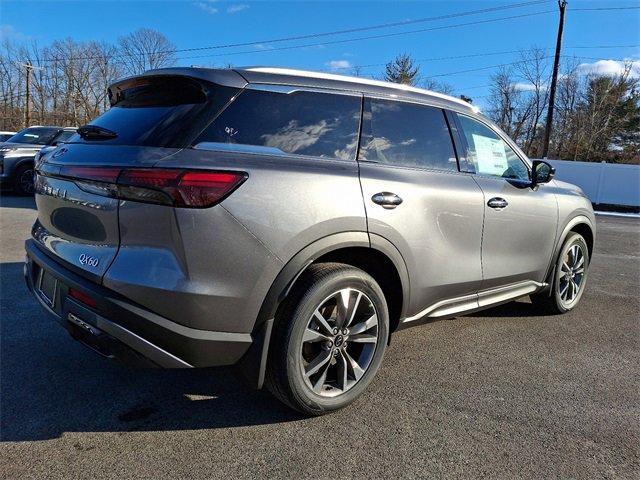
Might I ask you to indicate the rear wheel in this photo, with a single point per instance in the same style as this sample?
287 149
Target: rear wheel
23 180
569 277
329 339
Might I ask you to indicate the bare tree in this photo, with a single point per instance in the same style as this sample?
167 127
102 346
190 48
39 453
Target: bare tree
145 49
534 72
437 86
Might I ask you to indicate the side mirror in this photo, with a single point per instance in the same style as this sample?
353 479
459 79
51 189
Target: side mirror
541 172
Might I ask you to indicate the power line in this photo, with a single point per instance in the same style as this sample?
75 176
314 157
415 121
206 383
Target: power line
601 9
337 32
372 37
434 59
489 67
333 42
484 54
349 40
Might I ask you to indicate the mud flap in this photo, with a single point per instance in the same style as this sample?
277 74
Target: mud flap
252 366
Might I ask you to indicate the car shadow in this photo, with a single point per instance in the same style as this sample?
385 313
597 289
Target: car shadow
12 200
51 384
518 308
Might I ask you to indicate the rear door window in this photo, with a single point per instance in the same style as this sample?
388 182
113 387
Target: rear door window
406 135
297 123
163 111
488 154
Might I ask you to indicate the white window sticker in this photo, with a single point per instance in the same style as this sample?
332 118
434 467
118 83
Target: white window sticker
491 156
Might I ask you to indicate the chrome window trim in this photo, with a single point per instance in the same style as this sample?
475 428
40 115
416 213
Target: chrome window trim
289 89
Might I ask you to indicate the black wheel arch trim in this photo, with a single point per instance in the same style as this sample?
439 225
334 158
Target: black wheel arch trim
568 227
252 366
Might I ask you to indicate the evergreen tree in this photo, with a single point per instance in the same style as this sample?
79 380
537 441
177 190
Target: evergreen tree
402 70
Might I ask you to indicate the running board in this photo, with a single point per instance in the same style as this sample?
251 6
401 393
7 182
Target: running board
476 301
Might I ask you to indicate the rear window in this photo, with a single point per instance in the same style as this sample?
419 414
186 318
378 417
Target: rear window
298 123
406 135
167 111
64 136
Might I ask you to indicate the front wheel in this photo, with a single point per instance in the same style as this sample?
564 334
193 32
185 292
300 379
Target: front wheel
569 278
24 180
329 339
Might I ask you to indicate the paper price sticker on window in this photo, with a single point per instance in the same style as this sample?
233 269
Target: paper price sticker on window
491 155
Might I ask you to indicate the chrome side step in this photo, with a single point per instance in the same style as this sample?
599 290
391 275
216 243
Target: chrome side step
476 301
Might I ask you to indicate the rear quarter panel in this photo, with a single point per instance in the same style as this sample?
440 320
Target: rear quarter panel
287 202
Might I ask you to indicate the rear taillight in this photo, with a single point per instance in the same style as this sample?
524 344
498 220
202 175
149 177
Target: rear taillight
180 188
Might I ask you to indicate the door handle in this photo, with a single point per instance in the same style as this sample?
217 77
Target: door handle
388 200
497 202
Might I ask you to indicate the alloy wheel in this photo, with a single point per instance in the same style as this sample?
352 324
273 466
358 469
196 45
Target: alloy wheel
25 181
572 270
339 342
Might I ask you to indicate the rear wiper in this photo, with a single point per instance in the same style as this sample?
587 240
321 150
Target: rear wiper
94 132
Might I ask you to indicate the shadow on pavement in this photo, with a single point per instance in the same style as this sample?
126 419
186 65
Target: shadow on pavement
51 384
520 308
11 200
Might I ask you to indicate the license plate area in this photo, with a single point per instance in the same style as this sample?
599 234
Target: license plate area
47 287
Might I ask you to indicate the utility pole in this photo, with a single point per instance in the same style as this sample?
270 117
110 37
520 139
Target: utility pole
554 80
27 110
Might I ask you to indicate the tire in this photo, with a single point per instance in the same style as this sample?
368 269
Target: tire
300 340
23 180
563 295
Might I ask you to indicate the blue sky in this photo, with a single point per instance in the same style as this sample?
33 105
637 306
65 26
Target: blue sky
198 23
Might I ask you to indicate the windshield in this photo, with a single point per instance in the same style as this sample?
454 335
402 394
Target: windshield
164 111
35 135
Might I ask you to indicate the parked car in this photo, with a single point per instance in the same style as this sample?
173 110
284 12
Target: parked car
18 152
288 222
4 136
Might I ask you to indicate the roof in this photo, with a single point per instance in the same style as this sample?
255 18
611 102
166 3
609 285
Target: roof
240 77
310 78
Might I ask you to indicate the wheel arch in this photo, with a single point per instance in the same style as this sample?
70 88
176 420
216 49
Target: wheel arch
371 253
580 224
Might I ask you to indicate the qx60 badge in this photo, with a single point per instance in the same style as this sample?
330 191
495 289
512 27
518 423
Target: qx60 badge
88 260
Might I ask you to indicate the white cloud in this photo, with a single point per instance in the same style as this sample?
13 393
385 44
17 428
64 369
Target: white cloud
10 32
609 68
293 137
237 8
262 46
523 87
338 64
207 6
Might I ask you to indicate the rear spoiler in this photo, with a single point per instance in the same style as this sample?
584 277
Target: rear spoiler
219 76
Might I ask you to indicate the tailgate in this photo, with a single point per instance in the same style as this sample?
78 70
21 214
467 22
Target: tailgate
74 224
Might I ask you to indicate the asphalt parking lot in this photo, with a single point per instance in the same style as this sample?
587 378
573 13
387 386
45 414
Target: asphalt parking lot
503 393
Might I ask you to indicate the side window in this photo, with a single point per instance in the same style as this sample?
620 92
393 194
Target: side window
299 123
406 134
489 154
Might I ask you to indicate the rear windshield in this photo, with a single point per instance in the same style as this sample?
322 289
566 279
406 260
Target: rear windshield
35 135
167 111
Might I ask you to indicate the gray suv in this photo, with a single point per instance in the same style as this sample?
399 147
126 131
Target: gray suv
18 153
288 222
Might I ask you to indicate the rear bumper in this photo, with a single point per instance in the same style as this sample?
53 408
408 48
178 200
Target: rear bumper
119 328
